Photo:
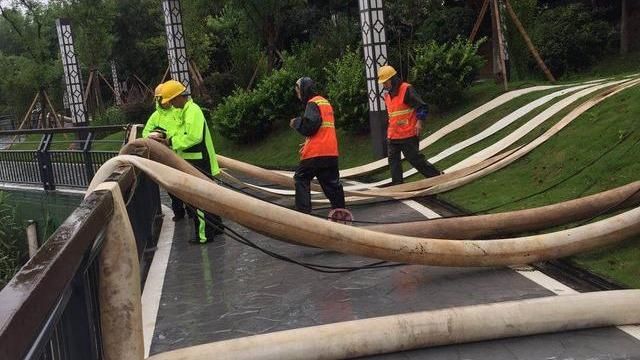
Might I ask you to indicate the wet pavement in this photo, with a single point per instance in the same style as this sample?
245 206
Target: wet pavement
226 290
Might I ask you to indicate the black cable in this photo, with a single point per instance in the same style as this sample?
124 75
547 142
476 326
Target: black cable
552 186
315 267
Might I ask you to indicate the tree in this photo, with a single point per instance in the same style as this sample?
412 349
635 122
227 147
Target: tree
624 28
92 23
268 19
28 53
139 43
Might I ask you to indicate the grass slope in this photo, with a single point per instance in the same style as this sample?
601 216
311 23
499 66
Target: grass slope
596 152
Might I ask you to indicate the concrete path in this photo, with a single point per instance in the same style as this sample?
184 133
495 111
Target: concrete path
226 290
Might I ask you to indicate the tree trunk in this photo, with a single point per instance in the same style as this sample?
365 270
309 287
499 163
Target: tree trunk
527 41
624 29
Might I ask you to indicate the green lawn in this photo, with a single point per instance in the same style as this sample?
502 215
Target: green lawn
111 142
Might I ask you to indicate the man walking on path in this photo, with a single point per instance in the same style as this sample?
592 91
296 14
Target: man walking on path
192 141
162 124
319 154
407 113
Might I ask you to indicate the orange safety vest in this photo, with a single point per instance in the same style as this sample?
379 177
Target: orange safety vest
324 142
402 117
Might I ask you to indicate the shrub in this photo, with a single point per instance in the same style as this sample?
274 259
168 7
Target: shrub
443 71
239 117
137 112
307 60
111 116
278 95
249 115
347 92
219 86
12 243
569 38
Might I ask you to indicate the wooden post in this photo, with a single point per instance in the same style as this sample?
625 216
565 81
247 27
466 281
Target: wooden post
498 34
107 82
527 40
32 238
143 84
164 77
88 88
624 28
476 26
28 114
53 111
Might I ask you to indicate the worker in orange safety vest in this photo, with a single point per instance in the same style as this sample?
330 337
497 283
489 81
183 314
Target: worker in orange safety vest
319 154
407 113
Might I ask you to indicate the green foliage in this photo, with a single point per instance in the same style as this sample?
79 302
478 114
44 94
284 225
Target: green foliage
238 117
278 95
446 24
248 64
219 85
12 243
347 92
248 115
443 71
569 38
139 44
92 22
307 59
222 29
136 112
111 116
519 55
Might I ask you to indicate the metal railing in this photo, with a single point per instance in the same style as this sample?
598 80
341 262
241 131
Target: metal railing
51 307
49 163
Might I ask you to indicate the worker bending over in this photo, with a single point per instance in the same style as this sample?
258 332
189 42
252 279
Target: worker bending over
192 141
163 123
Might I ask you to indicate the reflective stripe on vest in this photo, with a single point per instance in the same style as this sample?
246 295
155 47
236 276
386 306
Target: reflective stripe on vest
324 142
191 155
402 117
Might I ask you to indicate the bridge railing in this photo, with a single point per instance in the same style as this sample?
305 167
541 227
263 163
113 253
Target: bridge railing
51 307
66 157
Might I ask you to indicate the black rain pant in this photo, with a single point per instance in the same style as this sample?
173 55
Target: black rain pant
408 147
329 179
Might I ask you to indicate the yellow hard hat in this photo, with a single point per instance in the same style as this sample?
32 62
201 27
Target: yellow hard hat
158 91
170 90
385 73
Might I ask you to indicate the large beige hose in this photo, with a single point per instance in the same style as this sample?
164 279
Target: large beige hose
516 222
119 285
282 223
426 329
536 142
464 227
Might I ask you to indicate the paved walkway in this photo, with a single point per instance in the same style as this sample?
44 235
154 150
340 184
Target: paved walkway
226 290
